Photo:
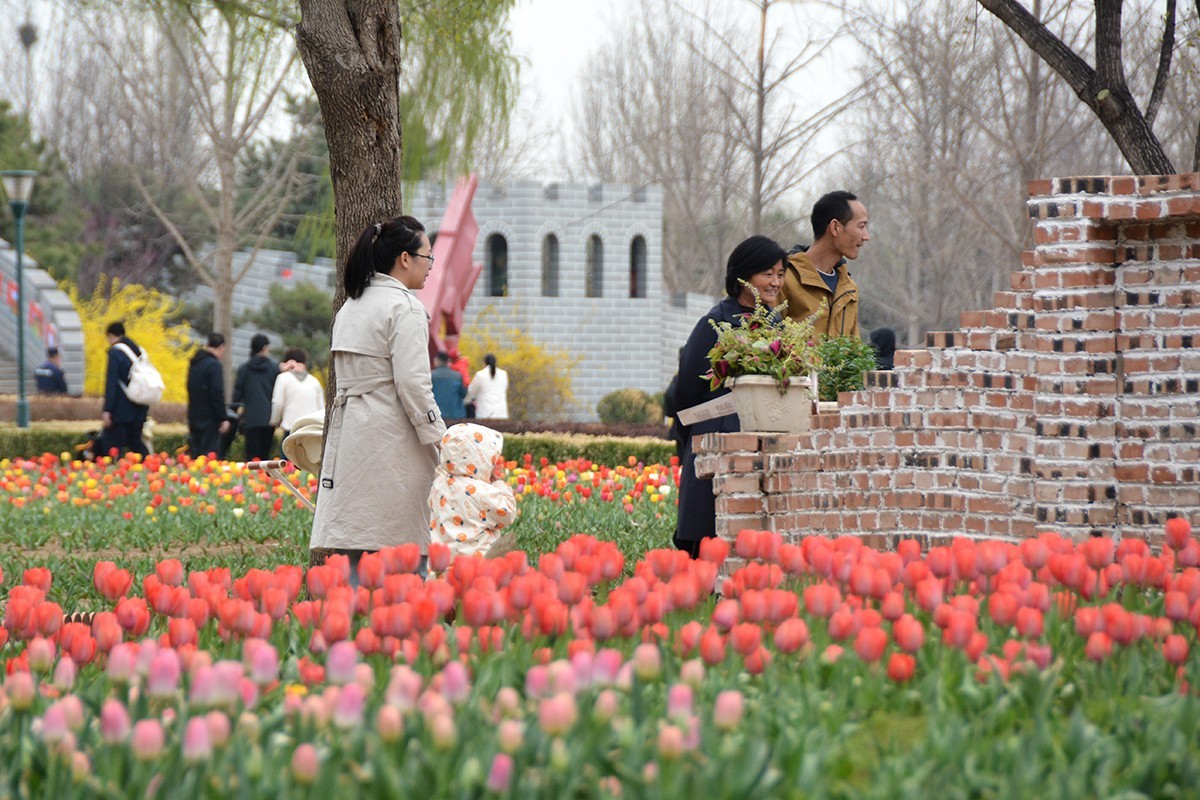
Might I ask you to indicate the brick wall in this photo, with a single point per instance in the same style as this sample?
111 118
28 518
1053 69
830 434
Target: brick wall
1071 405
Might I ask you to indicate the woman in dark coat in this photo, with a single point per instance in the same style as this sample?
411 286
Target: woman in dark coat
760 262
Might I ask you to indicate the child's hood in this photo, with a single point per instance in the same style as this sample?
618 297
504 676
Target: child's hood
470 450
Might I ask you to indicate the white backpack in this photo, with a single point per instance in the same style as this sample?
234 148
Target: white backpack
145 385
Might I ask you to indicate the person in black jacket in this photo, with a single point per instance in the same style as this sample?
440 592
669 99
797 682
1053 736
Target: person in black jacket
206 399
122 418
252 390
759 262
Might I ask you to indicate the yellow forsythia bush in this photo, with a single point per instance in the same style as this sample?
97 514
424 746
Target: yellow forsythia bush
539 378
144 312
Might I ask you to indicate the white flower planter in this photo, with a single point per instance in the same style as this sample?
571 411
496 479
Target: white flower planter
761 407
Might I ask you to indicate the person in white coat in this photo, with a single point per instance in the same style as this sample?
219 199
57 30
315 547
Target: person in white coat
297 393
489 391
381 445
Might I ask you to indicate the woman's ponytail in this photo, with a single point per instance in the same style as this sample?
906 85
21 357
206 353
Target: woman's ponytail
490 360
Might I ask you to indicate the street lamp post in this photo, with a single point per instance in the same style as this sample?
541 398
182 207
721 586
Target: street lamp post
18 186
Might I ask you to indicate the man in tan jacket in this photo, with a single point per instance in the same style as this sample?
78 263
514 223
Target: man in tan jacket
820 273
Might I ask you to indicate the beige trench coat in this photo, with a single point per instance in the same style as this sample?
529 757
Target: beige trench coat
381 444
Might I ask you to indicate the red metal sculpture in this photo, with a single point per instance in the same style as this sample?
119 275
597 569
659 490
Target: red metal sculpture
449 285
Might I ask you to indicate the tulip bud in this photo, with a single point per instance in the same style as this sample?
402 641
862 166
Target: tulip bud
500 775
147 739
306 763
727 710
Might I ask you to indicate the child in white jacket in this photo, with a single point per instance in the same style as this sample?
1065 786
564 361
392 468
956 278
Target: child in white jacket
471 504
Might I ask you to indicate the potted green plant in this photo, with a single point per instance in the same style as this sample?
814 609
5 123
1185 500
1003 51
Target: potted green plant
844 360
767 361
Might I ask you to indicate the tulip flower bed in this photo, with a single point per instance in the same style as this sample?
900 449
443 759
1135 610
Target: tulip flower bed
66 515
827 669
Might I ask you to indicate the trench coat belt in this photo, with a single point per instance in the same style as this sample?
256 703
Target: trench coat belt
346 388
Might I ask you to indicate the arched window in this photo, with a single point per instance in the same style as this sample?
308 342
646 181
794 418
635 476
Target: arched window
637 267
550 266
497 255
594 274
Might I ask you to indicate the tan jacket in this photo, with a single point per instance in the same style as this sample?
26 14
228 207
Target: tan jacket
381 443
804 289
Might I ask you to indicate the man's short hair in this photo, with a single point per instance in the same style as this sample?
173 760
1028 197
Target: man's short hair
51 352
297 354
834 205
215 340
441 359
258 343
115 329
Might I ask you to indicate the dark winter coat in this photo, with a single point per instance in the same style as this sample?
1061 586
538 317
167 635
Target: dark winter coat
123 410
697 505
206 389
252 388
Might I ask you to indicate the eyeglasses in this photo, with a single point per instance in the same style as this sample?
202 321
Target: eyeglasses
421 255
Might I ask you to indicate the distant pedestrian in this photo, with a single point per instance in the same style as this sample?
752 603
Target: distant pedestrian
253 389
884 342
50 376
297 392
206 415
489 391
122 418
448 388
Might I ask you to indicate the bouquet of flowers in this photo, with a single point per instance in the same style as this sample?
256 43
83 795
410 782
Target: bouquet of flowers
765 342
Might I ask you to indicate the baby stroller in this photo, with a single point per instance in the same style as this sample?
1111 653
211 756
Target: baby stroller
303 448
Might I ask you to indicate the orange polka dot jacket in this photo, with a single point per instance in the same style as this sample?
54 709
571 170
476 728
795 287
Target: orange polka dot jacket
469 510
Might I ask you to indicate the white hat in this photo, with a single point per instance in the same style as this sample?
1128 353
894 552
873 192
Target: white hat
303 445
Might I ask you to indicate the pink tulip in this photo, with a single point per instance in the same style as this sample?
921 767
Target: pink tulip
197 741
219 728
390 723
64 674
147 739
264 663
306 763
727 710
348 709
114 721
54 724
679 701
500 774
692 673
403 688
647 662
163 677
456 683
443 731
670 742
340 662
557 714
511 735
537 681
41 653
21 689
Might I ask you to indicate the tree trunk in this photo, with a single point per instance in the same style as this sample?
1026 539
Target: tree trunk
351 50
1104 89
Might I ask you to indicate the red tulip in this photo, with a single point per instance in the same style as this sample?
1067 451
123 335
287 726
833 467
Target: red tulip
439 558
170 571
909 550
870 643
1099 646
909 633
1029 623
38 577
900 667
892 606
1178 532
133 615
791 635
712 647
821 599
1002 607
842 624
1175 649
1098 551
745 637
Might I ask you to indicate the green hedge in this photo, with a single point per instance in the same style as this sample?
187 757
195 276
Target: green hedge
609 451
605 450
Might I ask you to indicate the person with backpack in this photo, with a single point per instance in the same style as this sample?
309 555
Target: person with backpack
206 415
122 418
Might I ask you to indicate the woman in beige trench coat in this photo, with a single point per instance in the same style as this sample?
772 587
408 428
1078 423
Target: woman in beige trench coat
381 443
